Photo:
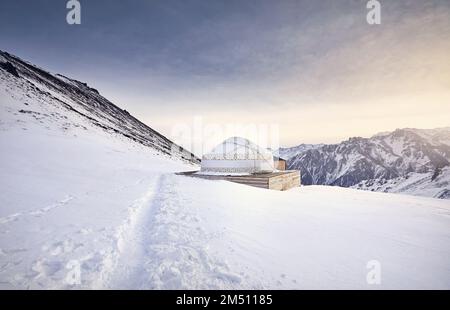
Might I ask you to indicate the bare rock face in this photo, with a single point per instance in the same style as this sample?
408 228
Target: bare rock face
8 67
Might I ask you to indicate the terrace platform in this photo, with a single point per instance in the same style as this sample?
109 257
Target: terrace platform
279 180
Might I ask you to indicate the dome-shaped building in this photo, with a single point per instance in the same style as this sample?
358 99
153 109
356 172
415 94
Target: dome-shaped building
237 156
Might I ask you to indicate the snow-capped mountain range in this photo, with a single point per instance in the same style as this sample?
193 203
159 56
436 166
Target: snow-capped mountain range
59 95
413 161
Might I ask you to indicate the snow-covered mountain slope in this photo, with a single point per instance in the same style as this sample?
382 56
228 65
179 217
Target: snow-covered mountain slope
429 184
288 152
74 169
412 161
47 98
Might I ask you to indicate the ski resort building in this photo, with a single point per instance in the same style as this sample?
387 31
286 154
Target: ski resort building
242 161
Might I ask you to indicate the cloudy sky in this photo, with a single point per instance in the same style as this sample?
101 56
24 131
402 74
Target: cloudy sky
316 69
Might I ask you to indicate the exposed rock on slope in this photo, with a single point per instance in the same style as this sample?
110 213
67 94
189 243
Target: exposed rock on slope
18 76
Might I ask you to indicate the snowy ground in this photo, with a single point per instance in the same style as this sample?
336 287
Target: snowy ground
312 237
68 198
83 208
114 210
